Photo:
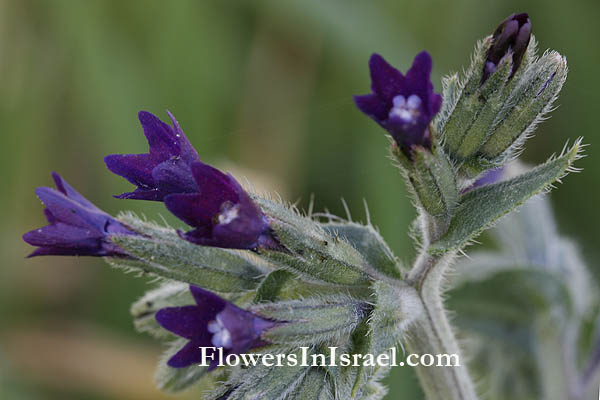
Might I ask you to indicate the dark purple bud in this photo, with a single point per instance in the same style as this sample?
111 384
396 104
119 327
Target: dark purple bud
404 105
77 227
221 211
212 322
511 37
165 169
491 176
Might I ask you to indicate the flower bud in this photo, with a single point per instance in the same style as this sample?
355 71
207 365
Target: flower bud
511 36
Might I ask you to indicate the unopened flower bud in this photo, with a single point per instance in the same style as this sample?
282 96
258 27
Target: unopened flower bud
511 36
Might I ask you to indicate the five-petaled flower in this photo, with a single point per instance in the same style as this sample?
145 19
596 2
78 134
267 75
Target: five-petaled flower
510 38
404 105
223 214
165 169
77 227
212 322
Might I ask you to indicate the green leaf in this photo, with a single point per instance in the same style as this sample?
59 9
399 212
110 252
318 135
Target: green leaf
161 252
511 295
313 320
369 243
480 208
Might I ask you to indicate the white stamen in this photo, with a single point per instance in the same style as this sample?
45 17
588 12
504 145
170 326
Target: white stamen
229 214
406 109
221 336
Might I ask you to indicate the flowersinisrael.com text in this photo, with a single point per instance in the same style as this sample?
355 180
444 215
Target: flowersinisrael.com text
304 358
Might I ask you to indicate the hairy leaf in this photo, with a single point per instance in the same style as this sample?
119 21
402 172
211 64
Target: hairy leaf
480 208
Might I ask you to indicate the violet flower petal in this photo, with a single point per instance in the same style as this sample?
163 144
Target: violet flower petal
76 226
212 322
165 169
404 105
222 212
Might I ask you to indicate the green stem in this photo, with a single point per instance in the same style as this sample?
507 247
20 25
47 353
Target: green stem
432 334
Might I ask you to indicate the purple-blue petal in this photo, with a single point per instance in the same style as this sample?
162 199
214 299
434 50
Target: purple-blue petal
386 81
207 211
207 299
136 168
66 210
174 176
189 354
66 189
391 106
188 321
418 76
192 322
193 209
165 169
76 226
373 106
161 138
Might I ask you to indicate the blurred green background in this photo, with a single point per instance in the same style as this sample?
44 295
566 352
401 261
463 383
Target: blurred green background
263 89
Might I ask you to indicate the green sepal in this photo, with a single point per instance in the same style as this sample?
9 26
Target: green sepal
161 252
369 243
457 115
491 97
262 382
311 251
315 386
480 208
434 182
526 106
312 320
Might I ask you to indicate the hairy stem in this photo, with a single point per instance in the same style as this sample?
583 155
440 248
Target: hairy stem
432 334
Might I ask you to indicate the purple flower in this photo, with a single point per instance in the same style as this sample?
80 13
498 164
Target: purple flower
404 105
511 37
77 227
222 212
212 322
165 169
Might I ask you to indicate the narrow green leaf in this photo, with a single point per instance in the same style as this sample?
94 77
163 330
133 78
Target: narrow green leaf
480 208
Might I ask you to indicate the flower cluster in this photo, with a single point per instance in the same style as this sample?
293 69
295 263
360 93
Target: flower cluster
213 203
